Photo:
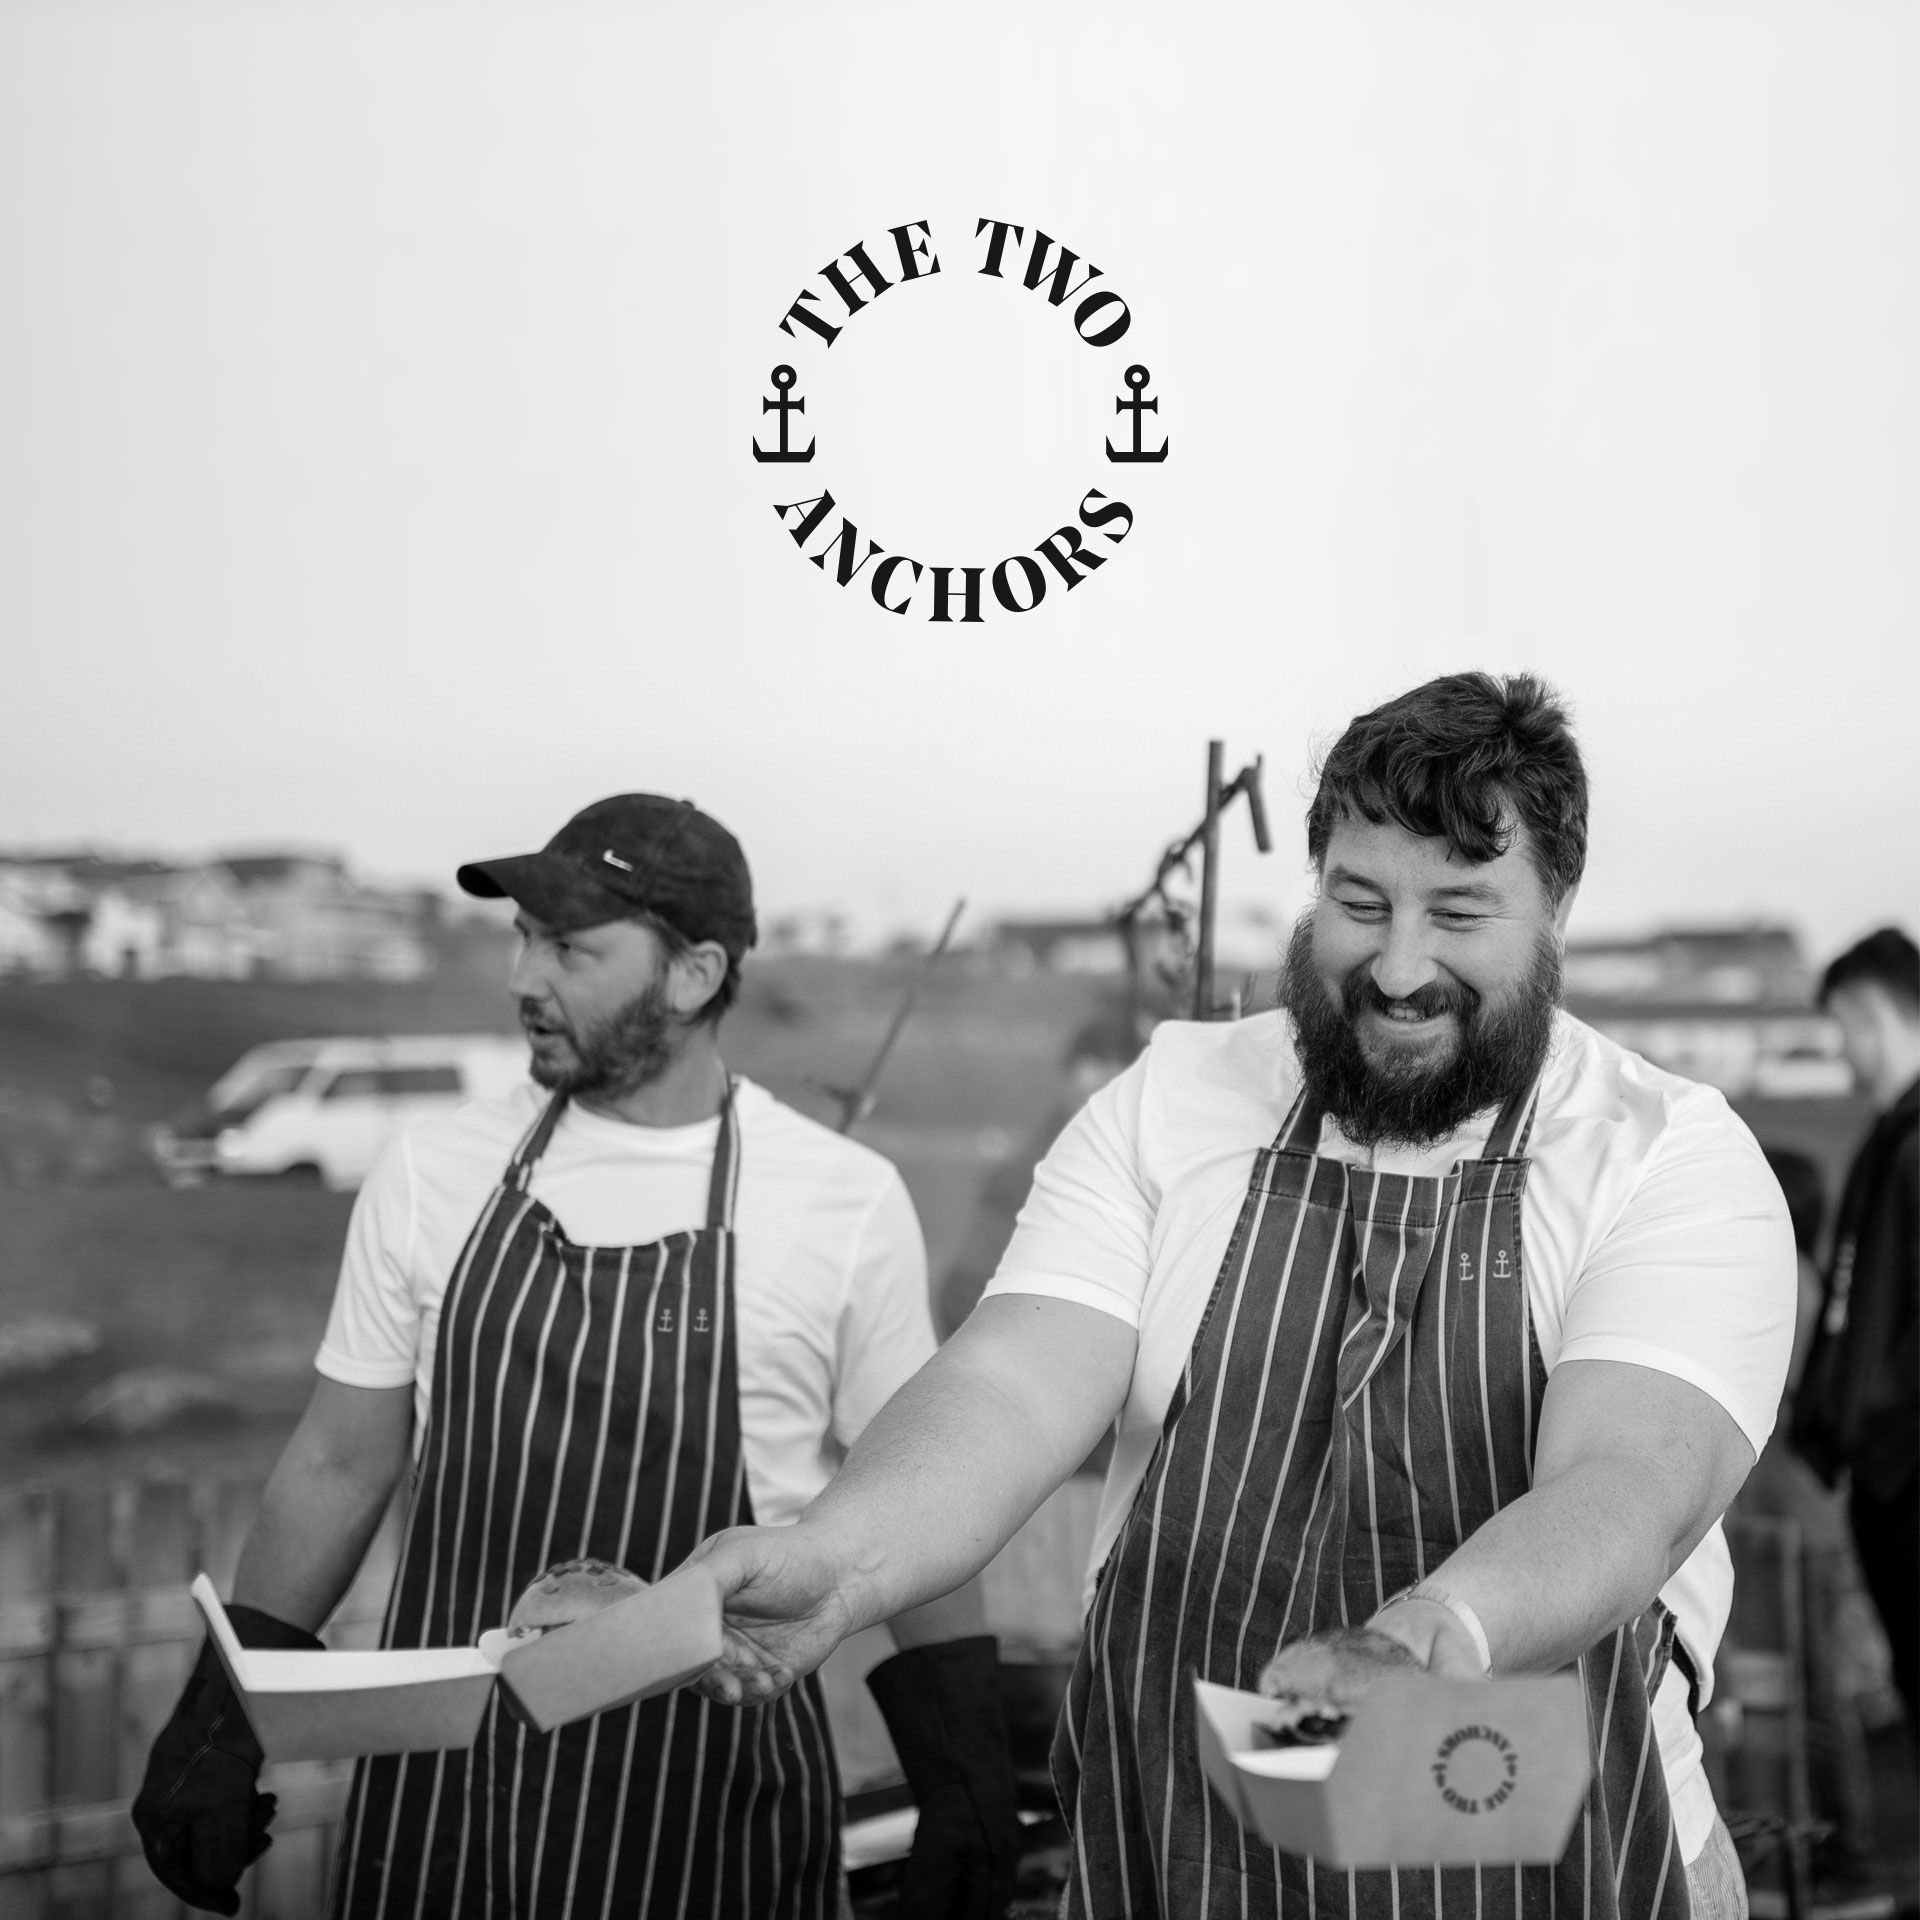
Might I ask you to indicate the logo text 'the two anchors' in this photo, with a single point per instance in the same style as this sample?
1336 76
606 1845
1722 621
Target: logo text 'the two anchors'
853 281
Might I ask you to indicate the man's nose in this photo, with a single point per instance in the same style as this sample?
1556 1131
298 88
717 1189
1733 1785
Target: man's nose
1405 962
526 978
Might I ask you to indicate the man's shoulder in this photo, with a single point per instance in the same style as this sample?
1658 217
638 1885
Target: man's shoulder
1225 1052
1224 1076
485 1130
1592 1081
798 1145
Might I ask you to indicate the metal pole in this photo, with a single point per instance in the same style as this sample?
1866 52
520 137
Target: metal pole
1209 883
857 1103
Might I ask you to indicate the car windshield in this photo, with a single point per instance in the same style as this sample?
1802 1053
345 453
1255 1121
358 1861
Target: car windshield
246 1089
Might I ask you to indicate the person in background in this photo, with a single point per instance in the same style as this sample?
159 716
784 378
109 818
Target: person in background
1099 1049
602 1316
1858 1410
1783 1487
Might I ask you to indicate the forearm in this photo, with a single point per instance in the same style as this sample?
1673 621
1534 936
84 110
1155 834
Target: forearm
1552 1574
966 1450
1630 1470
320 1510
959 1615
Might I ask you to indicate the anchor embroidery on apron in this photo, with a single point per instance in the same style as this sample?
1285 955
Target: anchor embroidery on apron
1363 1393
585 1402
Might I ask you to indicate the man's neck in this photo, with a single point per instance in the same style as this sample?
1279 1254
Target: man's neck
692 1089
1900 1066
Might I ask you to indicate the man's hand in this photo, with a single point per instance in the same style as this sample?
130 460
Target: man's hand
1335 1668
200 1821
782 1608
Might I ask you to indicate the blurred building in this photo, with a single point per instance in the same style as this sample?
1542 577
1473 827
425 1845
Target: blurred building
1059 946
281 915
1732 1006
313 921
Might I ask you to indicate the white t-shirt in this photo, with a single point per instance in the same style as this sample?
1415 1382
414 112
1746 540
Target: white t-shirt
1652 1231
830 1281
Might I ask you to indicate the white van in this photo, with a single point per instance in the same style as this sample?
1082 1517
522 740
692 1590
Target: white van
325 1108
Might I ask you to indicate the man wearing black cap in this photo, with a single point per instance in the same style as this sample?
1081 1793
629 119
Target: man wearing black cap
608 1321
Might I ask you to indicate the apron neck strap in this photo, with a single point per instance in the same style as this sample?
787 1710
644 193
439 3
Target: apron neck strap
723 1185
1300 1130
520 1167
1514 1127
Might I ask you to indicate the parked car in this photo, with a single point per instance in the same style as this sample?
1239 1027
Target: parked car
325 1108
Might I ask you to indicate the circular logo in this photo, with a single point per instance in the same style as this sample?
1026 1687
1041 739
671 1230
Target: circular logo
1476 1769
846 540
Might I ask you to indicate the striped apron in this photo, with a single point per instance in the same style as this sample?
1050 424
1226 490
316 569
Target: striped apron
1363 1394
585 1402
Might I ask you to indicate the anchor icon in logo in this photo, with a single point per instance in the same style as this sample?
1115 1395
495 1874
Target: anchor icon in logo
665 1322
1466 1268
1137 377
783 378
1502 1266
701 1323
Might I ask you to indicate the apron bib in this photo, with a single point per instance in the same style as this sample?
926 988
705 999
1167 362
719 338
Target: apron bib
1363 1394
585 1403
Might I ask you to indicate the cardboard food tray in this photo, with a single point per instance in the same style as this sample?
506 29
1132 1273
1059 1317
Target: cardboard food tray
1430 1773
334 1706
648 1643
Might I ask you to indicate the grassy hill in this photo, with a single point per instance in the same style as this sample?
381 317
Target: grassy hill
233 1280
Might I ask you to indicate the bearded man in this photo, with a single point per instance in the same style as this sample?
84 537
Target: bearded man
1439 1330
603 1320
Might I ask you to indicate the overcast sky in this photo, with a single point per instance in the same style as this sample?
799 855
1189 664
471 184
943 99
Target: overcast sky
376 389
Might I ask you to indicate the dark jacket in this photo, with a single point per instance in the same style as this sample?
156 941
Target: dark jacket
1859 1404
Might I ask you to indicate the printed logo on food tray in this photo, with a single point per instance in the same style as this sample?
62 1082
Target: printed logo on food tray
1476 1769
834 535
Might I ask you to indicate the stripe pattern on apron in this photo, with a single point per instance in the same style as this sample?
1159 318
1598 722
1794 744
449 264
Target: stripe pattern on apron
585 1402
1363 1393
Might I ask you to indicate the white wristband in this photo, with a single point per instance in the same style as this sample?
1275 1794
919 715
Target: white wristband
1440 1597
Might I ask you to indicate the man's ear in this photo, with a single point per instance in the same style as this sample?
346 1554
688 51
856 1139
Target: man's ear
1563 912
696 975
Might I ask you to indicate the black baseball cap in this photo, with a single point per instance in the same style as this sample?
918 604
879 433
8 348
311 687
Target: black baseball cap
635 850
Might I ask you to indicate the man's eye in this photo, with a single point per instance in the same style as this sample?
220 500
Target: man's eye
1363 909
1447 918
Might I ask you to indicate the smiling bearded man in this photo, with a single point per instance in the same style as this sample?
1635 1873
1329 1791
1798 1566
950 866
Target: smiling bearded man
1267 1250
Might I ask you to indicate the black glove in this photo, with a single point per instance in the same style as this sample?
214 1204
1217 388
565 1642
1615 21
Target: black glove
198 1816
942 1706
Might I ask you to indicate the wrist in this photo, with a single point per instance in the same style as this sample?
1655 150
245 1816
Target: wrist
1440 1627
854 1582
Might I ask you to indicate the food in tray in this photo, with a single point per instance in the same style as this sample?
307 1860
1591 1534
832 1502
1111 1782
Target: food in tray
1294 1722
568 1592
1316 1682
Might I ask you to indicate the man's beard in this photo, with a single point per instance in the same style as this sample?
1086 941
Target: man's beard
624 1053
1416 1101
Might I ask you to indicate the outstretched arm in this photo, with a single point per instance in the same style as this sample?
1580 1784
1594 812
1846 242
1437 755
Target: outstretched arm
936 1485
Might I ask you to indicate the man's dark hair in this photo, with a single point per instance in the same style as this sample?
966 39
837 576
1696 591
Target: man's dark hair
1805 1192
676 943
1887 958
1465 758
